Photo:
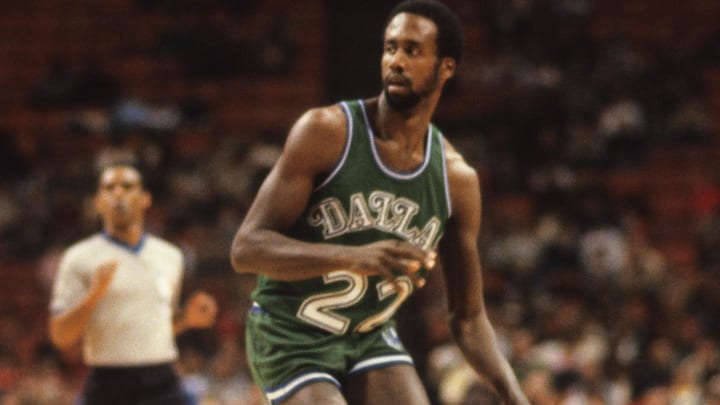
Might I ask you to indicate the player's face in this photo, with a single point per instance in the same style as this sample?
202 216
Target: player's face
410 64
121 199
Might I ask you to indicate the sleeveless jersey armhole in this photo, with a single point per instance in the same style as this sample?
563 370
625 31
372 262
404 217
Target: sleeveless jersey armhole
441 141
346 148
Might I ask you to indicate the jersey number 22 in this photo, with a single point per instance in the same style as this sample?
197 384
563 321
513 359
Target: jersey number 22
319 309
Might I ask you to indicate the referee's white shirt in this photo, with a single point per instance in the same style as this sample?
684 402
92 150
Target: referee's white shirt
132 324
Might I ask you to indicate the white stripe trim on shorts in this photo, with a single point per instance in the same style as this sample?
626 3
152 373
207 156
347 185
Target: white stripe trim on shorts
381 362
275 395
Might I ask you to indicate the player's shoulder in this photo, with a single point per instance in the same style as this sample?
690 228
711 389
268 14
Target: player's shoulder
317 138
321 121
464 187
459 171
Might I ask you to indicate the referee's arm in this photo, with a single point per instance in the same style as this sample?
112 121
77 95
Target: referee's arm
68 327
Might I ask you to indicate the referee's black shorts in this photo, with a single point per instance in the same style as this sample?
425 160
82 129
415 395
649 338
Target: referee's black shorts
141 385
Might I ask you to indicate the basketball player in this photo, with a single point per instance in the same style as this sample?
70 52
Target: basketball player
116 292
346 226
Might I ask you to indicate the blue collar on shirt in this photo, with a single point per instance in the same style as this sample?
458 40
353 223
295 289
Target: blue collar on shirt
133 248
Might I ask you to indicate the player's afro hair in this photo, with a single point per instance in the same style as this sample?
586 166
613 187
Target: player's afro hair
450 37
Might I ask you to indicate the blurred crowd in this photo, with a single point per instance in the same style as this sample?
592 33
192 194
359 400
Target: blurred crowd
594 302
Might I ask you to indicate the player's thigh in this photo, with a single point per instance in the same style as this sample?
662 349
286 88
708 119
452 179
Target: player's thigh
321 393
398 384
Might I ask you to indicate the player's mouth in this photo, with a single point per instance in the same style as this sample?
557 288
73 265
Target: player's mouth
397 82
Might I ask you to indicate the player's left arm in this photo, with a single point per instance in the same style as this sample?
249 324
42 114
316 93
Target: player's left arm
469 322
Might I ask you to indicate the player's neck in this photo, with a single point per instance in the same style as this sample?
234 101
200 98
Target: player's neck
400 135
412 123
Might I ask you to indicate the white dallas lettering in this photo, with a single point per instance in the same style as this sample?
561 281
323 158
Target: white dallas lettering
405 210
380 202
359 218
382 211
426 237
331 215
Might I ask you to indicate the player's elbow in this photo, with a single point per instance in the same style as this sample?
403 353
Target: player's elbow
240 253
236 259
464 323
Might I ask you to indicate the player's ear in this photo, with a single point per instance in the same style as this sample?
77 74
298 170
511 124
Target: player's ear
447 68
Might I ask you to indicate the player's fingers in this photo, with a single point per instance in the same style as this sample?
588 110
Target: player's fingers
406 250
410 265
411 252
402 266
430 259
411 269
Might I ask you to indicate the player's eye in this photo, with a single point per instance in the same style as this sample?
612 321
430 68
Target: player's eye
413 50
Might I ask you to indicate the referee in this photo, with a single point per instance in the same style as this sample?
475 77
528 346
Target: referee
117 291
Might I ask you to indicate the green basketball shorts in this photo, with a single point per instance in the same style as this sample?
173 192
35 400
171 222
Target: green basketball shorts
285 356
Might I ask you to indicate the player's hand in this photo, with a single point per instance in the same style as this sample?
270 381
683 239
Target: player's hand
393 258
103 277
200 311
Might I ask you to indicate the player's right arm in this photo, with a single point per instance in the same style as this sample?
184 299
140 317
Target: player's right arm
261 246
469 321
68 325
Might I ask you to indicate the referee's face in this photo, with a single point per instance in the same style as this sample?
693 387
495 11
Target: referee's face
121 199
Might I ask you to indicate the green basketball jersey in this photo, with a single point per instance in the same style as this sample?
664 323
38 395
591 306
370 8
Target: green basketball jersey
359 202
